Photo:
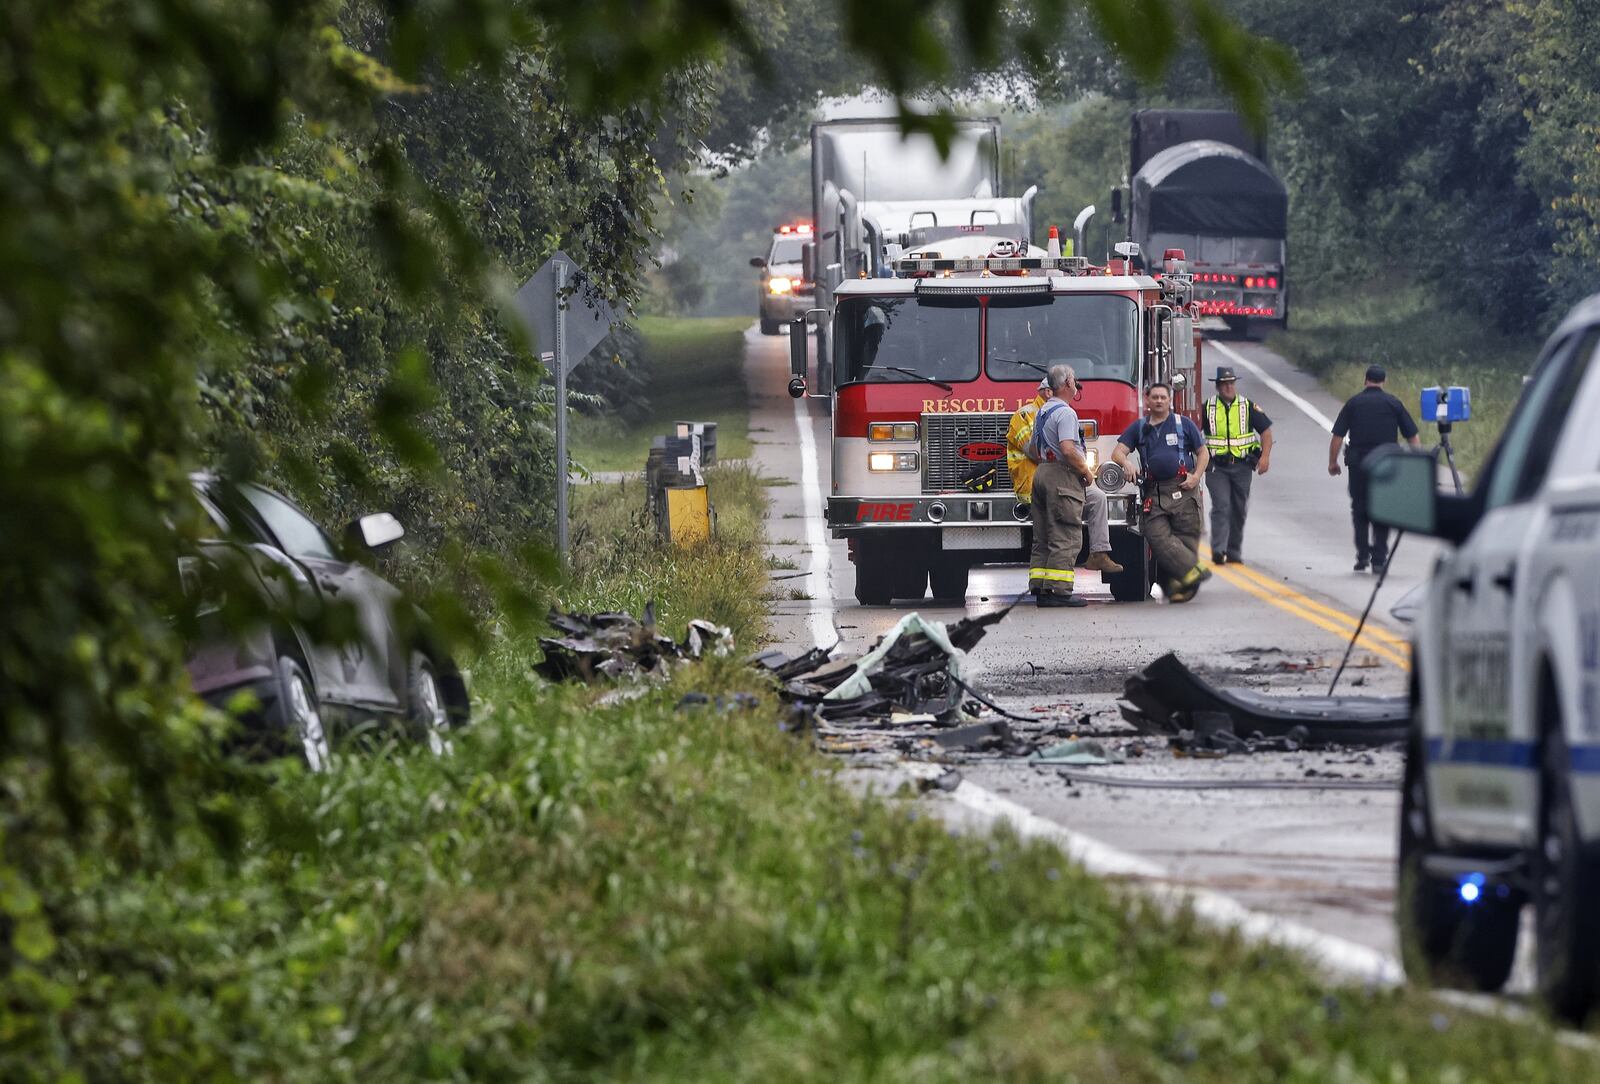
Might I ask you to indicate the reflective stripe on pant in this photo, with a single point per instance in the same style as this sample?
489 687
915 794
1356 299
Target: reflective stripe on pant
1057 526
1172 527
1229 487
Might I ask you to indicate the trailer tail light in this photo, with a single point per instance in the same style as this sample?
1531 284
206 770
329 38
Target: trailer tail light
892 431
881 462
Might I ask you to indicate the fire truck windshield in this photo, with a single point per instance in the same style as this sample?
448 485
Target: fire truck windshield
937 338
1096 334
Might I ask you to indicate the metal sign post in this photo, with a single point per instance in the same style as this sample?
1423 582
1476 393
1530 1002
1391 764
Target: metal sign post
542 306
561 415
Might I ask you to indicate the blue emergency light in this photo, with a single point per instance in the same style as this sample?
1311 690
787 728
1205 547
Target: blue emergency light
1446 404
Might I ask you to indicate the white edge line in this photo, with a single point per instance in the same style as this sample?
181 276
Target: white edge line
1275 384
823 633
1336 957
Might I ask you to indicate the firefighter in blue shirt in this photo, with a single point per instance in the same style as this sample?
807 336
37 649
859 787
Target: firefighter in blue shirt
1173 457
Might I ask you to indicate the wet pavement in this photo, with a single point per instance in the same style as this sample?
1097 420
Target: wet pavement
1302 850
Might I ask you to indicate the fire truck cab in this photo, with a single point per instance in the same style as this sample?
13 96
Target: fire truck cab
928 368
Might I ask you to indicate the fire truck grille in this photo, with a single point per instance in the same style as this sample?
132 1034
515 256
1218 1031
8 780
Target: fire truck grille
959 447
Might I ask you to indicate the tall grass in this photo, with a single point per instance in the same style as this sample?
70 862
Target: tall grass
637 891
620 563
1421 340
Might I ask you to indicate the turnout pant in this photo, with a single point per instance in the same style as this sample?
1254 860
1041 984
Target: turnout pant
1372 539
1172 527
1096 519
1229 486
1058 500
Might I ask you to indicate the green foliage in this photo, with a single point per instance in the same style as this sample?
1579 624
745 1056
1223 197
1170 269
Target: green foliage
630 890
1422 341
277 236
692 371
1454 140
620 563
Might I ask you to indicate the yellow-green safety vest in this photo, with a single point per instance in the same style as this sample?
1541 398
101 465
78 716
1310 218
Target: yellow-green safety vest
1230 428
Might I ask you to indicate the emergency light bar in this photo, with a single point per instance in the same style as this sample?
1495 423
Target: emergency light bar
798 227
1075 265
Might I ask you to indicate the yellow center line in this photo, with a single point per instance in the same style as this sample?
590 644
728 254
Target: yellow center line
1349 621
1294 603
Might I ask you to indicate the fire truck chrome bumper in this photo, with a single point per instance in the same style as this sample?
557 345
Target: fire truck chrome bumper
851 515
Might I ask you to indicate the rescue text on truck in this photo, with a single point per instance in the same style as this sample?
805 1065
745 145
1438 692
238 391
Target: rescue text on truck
929 368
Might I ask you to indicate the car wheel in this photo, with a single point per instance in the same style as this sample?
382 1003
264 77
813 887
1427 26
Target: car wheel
430 717
769 327
1443 939
298 716
1566 889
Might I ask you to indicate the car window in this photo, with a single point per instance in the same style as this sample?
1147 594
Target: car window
296 534
1525 452
786 250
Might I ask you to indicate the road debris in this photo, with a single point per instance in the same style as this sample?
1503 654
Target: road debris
607 646
1084 752
905 695
1167 698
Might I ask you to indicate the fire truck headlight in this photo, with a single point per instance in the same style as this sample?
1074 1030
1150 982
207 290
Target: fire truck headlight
1093 456
893 461
892 431
780 284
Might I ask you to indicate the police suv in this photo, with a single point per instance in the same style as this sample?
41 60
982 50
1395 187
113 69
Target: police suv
1501 800
783 291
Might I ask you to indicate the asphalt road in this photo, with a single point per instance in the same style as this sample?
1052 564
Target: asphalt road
1321 858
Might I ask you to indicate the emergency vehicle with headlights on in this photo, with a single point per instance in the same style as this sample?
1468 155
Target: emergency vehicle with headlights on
1500 799
783 292
929 365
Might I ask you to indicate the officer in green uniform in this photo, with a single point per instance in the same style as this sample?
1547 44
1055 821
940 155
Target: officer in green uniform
1239 438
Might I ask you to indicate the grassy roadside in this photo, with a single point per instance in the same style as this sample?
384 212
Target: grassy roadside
696 374
1421 341
629 891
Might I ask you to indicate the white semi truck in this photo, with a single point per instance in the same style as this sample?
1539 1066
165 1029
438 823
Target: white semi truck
876 192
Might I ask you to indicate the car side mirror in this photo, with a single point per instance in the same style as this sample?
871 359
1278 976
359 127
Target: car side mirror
757 261
376 530
1403 490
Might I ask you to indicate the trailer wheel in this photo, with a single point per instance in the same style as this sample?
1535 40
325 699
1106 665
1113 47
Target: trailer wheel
1238 326
1133 583
1566 877
1444 940
949 577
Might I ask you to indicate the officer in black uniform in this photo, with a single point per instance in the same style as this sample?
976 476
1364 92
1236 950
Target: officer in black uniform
1372 418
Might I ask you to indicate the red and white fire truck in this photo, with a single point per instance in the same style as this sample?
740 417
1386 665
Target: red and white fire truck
928 367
